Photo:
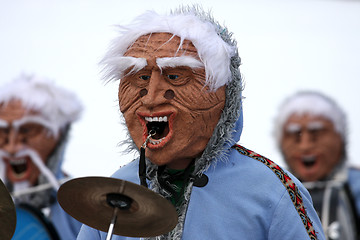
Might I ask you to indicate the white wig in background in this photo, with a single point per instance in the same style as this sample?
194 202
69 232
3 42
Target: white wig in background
57 106
187 23
314 104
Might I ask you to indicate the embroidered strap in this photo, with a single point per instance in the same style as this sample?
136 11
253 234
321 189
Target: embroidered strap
289 185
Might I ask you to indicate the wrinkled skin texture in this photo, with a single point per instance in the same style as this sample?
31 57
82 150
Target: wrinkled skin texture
323 147
191 109
30 136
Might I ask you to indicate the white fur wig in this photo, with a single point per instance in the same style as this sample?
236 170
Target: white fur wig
57 106
314 104
213 51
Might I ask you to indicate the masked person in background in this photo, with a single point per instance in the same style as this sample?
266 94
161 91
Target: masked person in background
311 132
181 95
35 121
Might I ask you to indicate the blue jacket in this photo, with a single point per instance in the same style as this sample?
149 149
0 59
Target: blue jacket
243 199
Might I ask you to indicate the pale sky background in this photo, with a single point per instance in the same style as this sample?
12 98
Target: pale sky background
284 45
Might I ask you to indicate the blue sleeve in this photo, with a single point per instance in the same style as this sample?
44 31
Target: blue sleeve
87 233
66 226
286 215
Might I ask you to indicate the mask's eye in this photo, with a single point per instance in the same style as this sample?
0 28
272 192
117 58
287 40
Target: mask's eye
30 130
178 76
4 133
172 76
144 77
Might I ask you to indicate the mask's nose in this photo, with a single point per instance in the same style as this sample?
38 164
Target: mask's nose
12 143
157 91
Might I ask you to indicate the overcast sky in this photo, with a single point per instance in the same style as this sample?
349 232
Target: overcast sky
285 46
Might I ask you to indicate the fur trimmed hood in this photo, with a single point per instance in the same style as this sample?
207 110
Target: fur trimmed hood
221 62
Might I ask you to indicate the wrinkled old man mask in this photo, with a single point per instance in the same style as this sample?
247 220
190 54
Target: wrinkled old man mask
169 96
20 136
311 146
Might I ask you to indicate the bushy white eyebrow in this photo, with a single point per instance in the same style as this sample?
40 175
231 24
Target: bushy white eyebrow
183 61
315 125
39 120
121 64
293 128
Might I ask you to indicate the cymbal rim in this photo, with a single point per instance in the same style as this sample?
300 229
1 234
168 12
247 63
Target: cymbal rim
7 213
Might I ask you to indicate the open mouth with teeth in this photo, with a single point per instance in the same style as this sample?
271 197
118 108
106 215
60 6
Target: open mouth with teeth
308 161
159 126
18 169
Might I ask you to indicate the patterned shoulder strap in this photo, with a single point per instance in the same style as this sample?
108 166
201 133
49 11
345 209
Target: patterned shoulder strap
289 185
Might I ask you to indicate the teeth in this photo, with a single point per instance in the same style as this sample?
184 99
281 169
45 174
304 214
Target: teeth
155 142
156 119
17 161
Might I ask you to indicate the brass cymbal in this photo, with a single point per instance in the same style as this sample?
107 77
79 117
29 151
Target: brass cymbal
142 212
7 213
